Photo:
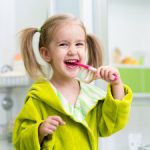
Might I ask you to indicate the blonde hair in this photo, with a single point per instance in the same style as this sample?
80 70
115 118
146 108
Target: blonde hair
47 32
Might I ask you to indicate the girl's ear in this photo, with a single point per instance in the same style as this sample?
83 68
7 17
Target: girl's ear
45 53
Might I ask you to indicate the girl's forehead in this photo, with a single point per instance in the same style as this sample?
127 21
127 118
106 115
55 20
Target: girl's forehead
69 29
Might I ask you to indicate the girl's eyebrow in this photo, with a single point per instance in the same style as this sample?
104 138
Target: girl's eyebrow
80 40
60 41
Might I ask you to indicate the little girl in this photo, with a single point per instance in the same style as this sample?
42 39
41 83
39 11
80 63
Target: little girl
63 113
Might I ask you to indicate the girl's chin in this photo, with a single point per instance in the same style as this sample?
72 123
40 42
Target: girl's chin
72 74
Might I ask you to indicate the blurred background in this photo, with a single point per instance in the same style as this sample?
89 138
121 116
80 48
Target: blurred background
123 26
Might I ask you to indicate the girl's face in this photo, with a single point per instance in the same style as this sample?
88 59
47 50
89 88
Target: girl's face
68 45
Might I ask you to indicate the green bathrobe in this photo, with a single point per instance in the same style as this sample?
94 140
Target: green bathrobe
106 117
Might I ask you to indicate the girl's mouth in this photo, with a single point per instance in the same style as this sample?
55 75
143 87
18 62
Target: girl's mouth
71 63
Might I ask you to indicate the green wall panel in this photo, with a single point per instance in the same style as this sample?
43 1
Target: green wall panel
137 78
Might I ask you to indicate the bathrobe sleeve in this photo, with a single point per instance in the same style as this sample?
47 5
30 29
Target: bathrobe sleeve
114 114
25 132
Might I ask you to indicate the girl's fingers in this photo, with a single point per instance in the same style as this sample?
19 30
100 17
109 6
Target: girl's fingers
44 129
107 73
52 127
55 120
97 74
49 131
113 76
58 119
49 128
102 73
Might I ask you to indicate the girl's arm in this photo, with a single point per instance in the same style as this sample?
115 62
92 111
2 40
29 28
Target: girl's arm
114 114
118 90
116 107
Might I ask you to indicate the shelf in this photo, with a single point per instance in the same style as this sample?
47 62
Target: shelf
142 95
131 66
13 79
141 99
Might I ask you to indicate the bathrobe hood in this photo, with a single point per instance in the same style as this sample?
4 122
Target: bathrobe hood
43 91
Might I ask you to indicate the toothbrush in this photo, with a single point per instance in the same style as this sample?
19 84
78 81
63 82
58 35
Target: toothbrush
114 77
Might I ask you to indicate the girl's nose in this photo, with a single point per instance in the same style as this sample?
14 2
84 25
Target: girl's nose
72 50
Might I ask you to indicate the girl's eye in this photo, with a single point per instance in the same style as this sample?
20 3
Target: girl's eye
63 44
80 44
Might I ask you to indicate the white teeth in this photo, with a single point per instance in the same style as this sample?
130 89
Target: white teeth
70 60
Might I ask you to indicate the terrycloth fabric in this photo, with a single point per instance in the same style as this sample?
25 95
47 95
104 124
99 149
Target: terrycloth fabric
106 117
87 98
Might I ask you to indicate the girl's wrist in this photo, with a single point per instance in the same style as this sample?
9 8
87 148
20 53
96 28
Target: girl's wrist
117 90
41 136
116 83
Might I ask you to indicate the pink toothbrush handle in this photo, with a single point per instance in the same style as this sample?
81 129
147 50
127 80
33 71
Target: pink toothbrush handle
113 77
92 69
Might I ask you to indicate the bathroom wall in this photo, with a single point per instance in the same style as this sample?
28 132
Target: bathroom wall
16 15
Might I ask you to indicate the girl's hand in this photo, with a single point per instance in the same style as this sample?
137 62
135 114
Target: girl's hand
49 126
108 74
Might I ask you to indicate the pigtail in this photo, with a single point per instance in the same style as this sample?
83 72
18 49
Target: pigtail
94 51
32 66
